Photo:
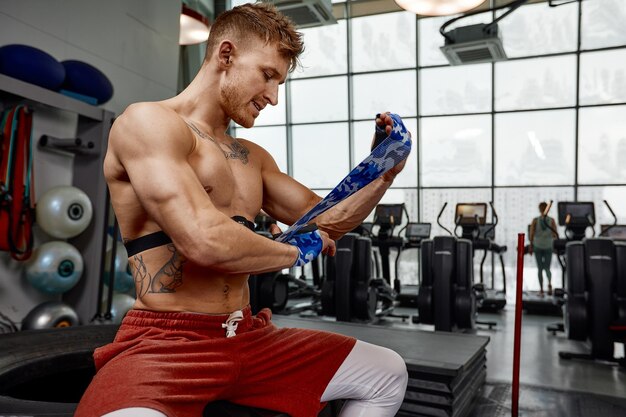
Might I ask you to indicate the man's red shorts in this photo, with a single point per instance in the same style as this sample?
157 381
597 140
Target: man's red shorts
179 362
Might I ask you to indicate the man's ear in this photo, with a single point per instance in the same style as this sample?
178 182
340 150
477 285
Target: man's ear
225 53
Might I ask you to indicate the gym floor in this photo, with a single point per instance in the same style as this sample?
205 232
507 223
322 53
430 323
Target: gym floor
549 386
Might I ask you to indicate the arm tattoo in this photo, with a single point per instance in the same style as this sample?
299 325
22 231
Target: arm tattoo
235 149
165 280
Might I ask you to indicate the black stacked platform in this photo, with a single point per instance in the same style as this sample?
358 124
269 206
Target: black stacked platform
446 370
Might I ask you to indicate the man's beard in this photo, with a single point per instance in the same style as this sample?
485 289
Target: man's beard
231 102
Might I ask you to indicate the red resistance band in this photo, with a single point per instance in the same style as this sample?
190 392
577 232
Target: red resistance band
16 184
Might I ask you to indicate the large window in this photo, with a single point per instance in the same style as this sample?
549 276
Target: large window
536 83
311 100
603 77
320 154
460 89
603 23
326 51
388 91
456 151
538 30
547 123
602 145
383 42
535 148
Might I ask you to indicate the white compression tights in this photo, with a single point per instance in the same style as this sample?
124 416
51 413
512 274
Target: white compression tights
372 379
135 412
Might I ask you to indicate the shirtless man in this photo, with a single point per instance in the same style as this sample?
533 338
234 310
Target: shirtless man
176 181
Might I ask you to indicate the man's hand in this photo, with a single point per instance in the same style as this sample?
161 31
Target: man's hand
328 246
384 126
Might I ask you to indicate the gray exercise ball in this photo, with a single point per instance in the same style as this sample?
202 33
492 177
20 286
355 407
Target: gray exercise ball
124 281
64 212
119 306
54 268
50 314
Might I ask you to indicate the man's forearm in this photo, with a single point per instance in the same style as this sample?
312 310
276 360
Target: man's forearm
351 212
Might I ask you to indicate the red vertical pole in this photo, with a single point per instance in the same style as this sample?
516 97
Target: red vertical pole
518 324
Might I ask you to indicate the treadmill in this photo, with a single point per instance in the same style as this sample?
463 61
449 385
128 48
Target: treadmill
576 217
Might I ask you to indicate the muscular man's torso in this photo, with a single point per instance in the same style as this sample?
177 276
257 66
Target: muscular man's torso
230 172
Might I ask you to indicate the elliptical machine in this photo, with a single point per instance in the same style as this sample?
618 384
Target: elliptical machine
350 292
595 307
446 297
472 219
414 235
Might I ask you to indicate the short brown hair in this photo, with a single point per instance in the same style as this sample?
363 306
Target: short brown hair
542 206
262 20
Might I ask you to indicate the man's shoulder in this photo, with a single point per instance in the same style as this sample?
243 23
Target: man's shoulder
146 124
144 111
148 117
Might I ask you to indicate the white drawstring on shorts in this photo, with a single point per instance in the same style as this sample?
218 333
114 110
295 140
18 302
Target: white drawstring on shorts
231 323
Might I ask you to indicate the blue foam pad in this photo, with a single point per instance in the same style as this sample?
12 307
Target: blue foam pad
87 80
31 65
81 97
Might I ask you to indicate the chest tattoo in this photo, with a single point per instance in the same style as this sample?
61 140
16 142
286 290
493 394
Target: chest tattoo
235 149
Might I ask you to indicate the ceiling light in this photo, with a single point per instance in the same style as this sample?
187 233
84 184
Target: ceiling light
194 27
438 7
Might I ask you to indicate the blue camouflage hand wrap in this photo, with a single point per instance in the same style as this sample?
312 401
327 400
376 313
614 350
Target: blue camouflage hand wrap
309 245
386 155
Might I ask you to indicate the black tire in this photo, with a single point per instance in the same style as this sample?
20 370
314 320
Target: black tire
45 372
33 364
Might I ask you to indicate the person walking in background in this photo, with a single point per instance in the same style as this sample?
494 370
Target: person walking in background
542 235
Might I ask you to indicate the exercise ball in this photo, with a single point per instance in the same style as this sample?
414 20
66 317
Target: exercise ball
85 79
49 315
64 212
31 65
123 278
119 306
54 268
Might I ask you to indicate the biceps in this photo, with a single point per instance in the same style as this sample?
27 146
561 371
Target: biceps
285 199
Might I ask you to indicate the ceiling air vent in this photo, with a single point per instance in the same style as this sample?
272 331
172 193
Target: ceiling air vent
473 44
307 13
